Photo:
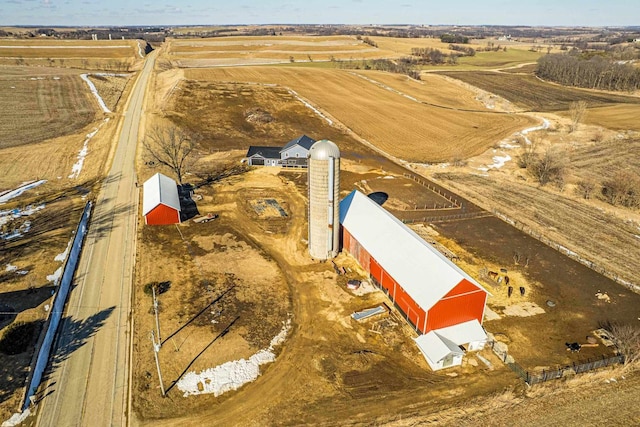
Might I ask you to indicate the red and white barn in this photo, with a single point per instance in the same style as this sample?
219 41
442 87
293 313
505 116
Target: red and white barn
160 201
433 293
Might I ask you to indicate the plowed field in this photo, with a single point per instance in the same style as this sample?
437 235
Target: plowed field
536 95
403 127
38 108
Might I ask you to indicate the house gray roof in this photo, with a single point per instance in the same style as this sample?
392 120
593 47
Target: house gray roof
303 141
266 152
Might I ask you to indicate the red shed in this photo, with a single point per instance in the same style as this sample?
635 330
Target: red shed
160 202
428 288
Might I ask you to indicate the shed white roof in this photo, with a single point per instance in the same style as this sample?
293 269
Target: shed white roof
463 333
435 347
417 266
160 190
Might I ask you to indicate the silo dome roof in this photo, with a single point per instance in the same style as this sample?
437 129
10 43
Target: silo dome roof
324 149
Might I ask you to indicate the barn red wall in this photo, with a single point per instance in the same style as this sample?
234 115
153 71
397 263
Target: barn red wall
458 308
162 215
404 302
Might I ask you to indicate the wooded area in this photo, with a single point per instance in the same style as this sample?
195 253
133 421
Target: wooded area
593 73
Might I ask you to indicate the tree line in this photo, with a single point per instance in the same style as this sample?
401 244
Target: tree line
399 67
594 73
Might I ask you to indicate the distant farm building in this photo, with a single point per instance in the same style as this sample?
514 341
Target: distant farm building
293 154
443 303
160 201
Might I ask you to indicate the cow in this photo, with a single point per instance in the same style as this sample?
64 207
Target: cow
493 275
506 280
509 291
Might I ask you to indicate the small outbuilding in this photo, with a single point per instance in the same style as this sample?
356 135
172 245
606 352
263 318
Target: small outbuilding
160 201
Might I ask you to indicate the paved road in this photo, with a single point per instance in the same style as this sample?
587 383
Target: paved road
89 378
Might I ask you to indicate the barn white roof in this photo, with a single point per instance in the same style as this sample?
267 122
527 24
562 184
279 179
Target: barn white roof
423 272
435 347
160 190
463 333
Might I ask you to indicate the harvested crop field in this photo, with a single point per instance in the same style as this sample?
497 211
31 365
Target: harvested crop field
67 49
111 87
533 94
402 127
42 107
247 49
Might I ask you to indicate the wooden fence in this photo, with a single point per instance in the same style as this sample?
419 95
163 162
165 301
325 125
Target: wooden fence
580 367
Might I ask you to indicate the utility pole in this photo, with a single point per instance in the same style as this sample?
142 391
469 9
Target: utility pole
155 311
156 349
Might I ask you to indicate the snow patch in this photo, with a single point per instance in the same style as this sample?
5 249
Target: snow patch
77 167
11 268
140 50
55 277
545 125
17 419
8 216
63 255
18 191
231 375
499 161
311 107
95 93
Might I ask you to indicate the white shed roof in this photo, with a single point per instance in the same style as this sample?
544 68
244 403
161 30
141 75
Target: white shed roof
435 347
160 190
463 333
417 266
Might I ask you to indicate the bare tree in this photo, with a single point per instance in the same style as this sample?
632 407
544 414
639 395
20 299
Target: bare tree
577 111
528 154
170 146
585 188
627 340
623 188
550 167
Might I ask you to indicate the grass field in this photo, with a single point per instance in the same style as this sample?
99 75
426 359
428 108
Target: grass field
500 59
402 127
616 117
42 107
533 94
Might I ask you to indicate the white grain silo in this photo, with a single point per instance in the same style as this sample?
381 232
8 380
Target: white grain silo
324 191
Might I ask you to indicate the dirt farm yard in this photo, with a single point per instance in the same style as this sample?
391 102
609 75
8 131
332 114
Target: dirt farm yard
334 368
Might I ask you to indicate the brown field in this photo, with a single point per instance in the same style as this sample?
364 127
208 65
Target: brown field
245 50
57 49
617 117
111 88
430 89
535 95
402 127
42 107
48 150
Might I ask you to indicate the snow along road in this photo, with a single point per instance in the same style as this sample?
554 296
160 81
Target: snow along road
88 376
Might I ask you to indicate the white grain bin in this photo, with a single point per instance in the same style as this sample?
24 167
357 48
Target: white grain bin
324 190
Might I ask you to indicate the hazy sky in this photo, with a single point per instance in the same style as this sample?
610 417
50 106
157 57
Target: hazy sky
473 12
